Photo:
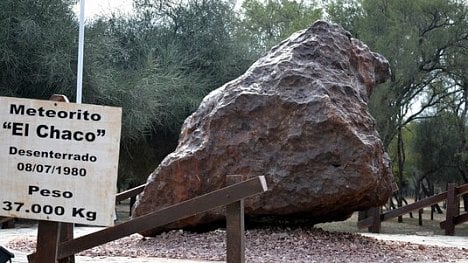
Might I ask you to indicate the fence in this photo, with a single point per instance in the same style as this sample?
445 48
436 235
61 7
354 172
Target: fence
52 246
452 215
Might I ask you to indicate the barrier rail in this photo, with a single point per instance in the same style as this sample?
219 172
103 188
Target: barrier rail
50 248
453 218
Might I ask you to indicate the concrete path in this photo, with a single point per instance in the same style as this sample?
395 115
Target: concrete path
423 239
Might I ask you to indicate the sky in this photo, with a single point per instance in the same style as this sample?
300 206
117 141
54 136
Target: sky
104 7
94 8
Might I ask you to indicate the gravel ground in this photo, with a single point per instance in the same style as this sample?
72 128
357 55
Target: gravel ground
271 245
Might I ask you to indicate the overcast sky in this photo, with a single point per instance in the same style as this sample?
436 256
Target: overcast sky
104 7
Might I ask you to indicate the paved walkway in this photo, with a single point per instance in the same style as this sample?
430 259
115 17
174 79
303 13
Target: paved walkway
6 235
430 240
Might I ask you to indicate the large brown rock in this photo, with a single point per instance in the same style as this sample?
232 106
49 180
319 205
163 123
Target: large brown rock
299 116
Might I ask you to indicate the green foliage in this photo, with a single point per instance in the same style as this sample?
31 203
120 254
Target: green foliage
153 71
199 29
346 13
416 37
435 147
151 83
164 61
160 63
421 40
37 49
266 23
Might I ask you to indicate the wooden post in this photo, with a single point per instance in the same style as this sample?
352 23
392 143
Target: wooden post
374 212
450 210
235 227
66 234
48 234
420 220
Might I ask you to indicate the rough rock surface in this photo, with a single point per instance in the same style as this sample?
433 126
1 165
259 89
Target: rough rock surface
299 116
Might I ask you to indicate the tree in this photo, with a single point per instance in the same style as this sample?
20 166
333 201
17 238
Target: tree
416 37
201 30
266 23
37 48
346 13
458 104
435 145
162 62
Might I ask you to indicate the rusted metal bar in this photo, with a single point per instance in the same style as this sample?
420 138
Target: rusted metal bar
450 211
48 233
221 197
129 193
235 227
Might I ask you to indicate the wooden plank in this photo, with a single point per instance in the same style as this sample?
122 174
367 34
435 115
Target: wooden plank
8 224
365 223
414 206
4 220
457 220
373 221
405 209
129 193
235 227
450 211
461 219
47 242
221 197
462 189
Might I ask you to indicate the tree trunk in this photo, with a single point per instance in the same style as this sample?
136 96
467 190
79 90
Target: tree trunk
401 161
463 147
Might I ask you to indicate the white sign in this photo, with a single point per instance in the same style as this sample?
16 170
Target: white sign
58 161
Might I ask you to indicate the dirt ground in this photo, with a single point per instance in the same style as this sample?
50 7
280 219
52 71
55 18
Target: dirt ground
409 226
327 242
